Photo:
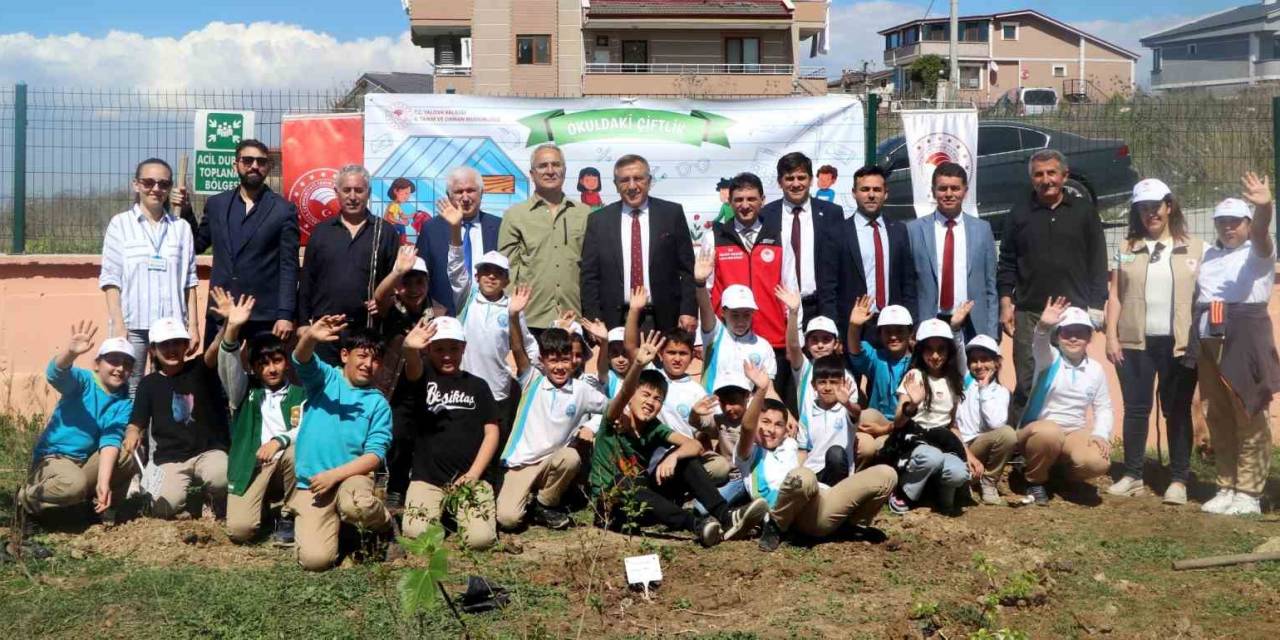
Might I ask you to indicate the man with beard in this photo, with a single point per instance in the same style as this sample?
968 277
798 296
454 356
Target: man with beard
254 235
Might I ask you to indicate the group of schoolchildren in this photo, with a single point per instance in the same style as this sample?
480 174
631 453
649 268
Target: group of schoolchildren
643 442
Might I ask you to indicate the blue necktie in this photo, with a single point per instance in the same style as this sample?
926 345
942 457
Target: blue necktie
466 245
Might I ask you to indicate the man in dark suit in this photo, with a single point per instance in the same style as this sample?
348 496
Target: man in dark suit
254 235
479 234
638 241
866 255
804 220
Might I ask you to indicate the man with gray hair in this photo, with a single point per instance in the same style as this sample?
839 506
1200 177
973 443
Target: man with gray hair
1053 245
346 257
478 232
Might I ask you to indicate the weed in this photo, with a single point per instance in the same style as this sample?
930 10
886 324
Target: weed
921 610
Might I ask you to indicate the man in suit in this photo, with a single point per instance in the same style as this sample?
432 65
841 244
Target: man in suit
955 259
638 241
479 234
804 220
254 235
866 255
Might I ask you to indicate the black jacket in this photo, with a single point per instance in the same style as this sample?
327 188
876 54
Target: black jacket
1059 252
262 261
841 281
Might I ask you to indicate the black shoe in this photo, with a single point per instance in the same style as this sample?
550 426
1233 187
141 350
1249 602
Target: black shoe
283 534
549 517
1037 494
395 501
709 532
770 536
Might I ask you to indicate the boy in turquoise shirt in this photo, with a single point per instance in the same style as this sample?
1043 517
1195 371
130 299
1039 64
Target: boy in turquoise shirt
343 439
883 367
79 450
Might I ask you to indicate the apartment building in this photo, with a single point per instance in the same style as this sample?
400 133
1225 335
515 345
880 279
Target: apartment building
1221 52
571 48
1005 51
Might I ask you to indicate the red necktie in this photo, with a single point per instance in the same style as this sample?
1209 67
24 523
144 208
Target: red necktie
880 286
946 298
637 253
795 245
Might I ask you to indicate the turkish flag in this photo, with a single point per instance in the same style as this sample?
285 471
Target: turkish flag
313 149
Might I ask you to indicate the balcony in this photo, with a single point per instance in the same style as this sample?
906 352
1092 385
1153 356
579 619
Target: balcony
907 53
810 16
430 18
703 79
452 70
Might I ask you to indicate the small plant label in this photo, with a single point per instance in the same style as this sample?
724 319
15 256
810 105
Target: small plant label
642 570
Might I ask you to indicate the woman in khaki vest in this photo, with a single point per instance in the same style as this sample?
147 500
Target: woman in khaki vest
1153 280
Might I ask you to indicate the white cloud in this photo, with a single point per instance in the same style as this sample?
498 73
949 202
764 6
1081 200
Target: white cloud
1128 33
218 56
853 33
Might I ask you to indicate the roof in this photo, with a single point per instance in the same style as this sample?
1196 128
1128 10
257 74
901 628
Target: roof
1014 14
400 82
1247 13
689 8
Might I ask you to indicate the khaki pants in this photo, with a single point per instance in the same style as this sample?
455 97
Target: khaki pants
717 467
994 448
244 512
209 468
551 477
1241 442
57 482
806 507
1045 444
424 505
320 515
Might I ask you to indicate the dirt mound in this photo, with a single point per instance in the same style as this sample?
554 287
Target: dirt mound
165 542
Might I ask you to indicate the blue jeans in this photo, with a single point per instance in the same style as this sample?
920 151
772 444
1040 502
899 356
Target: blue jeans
928 461
734 493
138 340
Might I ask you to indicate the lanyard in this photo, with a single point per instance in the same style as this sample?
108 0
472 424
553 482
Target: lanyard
164 233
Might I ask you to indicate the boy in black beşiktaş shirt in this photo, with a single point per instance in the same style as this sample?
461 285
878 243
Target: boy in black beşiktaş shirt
455 432
181 409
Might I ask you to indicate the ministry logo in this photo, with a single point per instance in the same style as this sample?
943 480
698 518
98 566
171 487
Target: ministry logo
937 148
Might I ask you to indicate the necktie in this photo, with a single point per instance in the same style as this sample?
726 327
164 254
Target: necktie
1155 255
880 284
946 298
637 253
795 245
748 237
466 245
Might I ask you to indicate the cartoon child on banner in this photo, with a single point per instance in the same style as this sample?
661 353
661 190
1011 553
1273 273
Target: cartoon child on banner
726 209
589 187
827 175
399 193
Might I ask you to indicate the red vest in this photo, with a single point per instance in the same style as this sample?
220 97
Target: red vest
760 269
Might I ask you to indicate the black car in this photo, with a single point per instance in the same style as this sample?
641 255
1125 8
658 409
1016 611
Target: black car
1100 169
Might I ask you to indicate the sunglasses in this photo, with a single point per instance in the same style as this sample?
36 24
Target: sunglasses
152 183
249 161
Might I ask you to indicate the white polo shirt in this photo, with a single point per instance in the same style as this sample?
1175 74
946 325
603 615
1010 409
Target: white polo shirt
724 354
821 429
763 471
982 409
486 325
1234 275
548 417
806 395
682 395
1074 389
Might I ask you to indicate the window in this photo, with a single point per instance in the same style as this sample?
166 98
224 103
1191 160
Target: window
634 54
893 40
1191 49
1008 31
1059 70
1155 57
533 49
742 51
912 35
970 77
992 140
1030 139
937 32
973 31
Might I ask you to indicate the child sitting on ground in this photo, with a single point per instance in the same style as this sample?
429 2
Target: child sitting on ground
883 368
981 417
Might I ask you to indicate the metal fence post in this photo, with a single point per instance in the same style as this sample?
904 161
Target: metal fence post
20 167
872 138
1275 150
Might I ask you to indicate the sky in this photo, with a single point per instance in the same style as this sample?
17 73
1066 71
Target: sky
147 44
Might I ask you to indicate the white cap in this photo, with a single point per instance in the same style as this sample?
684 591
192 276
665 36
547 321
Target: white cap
575 329
447 328
115 345
983 341
496 259
419 265
166 329
1075 316
1232 208
933 328
738 296
895 316
729 379
617 334
822 323
1150 190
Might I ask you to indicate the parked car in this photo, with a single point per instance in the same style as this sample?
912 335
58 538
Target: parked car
1100 169
1027 101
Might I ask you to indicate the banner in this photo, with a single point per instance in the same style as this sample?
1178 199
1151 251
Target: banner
935 136
693 146
314 148
216 135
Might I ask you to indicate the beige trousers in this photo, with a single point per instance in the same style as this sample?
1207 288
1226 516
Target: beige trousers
209 468
1044 444
1241 442
551 478
62 482
868 445
806 507
994 448
424 504
244 512
320 515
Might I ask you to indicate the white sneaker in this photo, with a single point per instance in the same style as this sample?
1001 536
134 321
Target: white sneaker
990 492
1176 494
1126 486
1220 502
1244 504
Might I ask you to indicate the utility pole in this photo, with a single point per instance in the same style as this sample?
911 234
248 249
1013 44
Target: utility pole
953 82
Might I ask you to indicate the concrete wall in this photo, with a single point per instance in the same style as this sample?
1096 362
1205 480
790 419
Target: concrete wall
492 47
1175 72
534 17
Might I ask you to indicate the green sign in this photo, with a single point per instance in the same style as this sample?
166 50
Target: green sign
223 130
215 171
216 135
696 128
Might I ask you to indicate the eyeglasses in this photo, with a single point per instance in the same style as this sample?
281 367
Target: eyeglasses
249 161
152 183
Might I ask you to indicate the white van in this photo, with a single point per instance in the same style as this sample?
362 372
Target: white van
1028 101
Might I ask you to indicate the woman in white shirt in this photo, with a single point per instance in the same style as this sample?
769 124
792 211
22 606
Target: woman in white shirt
149 265
1153 281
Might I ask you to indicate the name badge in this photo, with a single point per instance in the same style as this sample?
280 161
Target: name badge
1127 257
157 263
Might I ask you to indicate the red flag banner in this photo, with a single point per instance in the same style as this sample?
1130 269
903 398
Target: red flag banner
314 148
